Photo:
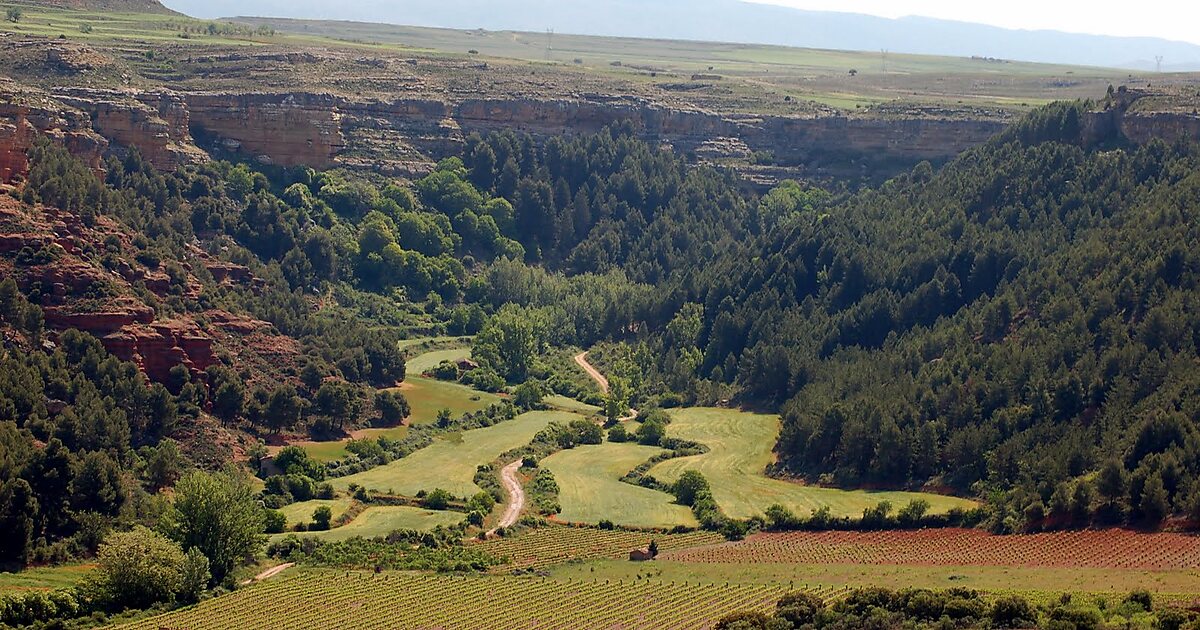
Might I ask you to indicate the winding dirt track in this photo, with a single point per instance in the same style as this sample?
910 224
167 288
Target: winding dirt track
516 496
581 360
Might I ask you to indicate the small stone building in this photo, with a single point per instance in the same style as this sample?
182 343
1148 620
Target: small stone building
641 555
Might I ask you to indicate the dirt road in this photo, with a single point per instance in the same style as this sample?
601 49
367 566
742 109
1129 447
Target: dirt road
516 496
270 573
581 360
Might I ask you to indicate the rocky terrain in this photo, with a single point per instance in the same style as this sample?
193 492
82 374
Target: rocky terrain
82 285
398 111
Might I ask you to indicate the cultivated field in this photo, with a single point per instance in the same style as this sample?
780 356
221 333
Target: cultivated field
338 599
740 450
450 462
556 545
382 520
1102 549
590 489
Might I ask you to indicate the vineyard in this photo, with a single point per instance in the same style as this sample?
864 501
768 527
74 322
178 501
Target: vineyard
1109 549
338 599
554 545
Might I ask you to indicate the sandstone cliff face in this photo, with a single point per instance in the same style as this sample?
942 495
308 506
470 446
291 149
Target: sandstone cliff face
157 123
406 136
283 129
20 125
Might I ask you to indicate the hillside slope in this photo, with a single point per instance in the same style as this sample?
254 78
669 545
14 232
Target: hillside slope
121 6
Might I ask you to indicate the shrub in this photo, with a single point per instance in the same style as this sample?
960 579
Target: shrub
321 518
439 499
1013 612
276 522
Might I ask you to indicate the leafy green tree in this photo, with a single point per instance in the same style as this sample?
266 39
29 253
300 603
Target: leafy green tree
164 464
690 485
13 14
274 522
138 569
799 608
393 407
528 395
652 432
438 499
1013 611
96 485
1113 482
340 401
283 408
617 401
219 515
321 518
194 576
508 343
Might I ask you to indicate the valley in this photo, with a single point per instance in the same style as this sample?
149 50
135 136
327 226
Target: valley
319 323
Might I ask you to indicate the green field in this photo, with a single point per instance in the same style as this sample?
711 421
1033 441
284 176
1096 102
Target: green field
590 489
405 344
43 578
418 365
740 450
383 520
302 511
426 396
449 463
570 404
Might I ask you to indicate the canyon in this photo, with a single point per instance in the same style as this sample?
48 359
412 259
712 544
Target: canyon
406 136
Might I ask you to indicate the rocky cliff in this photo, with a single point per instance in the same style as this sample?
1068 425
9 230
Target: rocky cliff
406 136
157 123
22 122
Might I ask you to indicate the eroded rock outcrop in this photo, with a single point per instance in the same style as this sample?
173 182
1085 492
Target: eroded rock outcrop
22 122
157 123
283 129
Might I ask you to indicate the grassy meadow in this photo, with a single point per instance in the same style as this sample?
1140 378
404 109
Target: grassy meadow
450 462
302 511
43 578
590 489
383 520
740 446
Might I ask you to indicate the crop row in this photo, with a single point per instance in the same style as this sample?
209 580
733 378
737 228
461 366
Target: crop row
338 599
555 545
1115 549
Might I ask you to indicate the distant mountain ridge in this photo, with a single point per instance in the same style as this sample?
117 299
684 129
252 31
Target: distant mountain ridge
730 21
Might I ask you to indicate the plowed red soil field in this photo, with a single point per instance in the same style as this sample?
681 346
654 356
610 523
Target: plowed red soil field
1115 549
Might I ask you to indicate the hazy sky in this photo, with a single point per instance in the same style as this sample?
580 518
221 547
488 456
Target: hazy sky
1171 19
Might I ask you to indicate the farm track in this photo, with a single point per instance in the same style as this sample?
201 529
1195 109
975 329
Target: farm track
516 496
581 360
601 381
1102 549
